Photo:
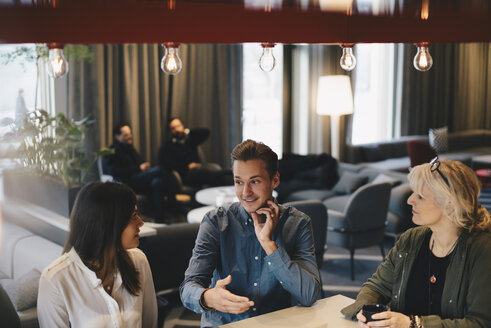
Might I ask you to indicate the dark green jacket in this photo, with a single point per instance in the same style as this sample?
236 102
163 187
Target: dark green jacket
466 298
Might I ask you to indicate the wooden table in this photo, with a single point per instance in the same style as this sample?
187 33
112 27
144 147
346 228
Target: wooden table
324 313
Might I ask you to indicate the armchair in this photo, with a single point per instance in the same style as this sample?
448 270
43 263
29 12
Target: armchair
318 214
168 253
362 223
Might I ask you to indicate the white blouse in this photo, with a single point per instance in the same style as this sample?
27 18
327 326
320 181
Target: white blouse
70 294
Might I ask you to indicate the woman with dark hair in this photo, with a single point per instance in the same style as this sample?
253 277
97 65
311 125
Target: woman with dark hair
438 274
102 279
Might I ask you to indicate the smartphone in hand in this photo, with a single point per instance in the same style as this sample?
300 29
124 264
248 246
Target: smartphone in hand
262 217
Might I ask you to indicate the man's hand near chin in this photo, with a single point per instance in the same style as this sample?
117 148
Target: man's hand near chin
220 299
144 166
264 230
193 165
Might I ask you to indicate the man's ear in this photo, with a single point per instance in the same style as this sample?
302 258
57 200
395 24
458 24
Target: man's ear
276 180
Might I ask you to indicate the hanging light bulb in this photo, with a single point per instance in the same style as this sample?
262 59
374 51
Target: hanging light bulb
171 63
423 61
267 61
57 63
348 60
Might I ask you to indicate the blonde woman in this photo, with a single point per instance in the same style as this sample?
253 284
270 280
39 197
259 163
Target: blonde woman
438 274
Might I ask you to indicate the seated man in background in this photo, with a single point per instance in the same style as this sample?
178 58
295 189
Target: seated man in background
127 166
180 153
254 256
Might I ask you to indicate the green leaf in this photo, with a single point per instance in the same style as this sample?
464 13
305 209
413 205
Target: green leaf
105 152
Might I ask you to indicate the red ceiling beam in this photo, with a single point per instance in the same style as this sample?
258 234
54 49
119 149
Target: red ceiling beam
203 22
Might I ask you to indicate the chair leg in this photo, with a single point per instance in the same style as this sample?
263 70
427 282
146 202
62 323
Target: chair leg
352 263
382 250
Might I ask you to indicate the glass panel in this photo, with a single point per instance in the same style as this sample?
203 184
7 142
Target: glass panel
262 98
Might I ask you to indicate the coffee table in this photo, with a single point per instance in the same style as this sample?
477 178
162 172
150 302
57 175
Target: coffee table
324 313
196 215
209 196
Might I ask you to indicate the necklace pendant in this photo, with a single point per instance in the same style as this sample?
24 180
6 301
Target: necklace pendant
432 279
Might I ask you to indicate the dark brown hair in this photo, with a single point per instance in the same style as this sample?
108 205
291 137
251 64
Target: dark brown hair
250 149
100 214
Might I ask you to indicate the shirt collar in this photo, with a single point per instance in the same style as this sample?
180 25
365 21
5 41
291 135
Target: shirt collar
95 282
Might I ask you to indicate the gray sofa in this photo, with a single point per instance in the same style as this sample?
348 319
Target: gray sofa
399 216
392 155
23 257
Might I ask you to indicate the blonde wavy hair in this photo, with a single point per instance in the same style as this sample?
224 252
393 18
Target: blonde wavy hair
458 199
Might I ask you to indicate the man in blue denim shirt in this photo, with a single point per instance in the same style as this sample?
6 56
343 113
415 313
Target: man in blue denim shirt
257 256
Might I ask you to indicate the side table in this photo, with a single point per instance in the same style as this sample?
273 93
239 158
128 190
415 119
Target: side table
196 215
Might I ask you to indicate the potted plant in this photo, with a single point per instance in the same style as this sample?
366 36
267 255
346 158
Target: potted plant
51 160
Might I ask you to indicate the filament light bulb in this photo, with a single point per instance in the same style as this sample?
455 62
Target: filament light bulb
57 63
171 63
423 61
267 62
348 59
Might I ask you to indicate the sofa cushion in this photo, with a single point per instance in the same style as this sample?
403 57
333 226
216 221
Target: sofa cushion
23 291
337 203
11 234
400 164
469 139
349 182
35 252
381 178
372 154
439 139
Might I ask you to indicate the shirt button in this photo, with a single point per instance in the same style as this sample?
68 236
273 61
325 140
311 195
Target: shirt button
255 284
256 258
254 309
400 255
450 301
281 282
269 263
395 296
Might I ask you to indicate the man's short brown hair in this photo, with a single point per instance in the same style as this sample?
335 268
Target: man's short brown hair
250 149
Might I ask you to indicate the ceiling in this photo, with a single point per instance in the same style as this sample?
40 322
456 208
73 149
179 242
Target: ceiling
237 21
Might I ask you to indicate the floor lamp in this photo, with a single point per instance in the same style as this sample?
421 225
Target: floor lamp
334 98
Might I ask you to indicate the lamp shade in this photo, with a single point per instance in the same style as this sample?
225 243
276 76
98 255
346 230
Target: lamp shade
334 96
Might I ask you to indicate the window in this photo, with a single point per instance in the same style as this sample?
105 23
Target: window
373 93
15 76
18 80
262 101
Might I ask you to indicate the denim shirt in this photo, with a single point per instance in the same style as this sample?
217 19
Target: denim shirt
227 244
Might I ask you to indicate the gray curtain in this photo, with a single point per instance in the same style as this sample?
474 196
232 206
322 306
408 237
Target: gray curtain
125 84
453 93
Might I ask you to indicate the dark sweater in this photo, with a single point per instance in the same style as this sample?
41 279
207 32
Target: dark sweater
177 154
124 163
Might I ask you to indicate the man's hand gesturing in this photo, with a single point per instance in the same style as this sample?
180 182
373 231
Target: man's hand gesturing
222 300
